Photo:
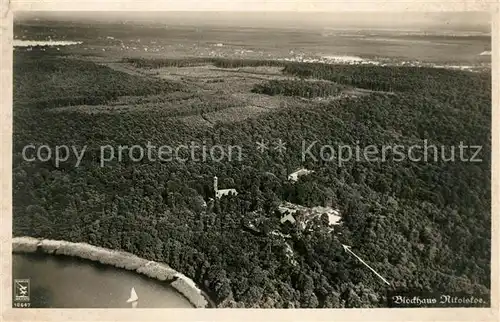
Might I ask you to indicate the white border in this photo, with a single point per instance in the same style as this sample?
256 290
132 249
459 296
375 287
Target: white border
9 314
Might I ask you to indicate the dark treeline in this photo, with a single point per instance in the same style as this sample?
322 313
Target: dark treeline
394 78
197 61
422 225
302 88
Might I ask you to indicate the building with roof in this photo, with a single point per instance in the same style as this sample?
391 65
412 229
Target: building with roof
223 192
301 172
287 217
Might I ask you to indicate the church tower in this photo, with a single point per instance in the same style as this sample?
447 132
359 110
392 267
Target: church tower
215 186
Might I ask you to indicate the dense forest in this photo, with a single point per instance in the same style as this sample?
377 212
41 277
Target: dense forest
84 83
422 225
300 88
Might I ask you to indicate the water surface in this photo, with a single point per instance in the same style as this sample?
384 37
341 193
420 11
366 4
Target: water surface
66 282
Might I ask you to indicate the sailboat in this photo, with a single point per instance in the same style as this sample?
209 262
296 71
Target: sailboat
133 298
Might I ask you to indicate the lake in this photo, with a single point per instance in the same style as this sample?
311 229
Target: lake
67 282
30 43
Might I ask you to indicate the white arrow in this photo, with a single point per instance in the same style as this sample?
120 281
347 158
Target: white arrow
348 249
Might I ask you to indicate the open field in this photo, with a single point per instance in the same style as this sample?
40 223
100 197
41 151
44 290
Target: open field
202 94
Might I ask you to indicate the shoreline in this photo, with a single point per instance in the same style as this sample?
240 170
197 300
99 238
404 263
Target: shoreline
119 259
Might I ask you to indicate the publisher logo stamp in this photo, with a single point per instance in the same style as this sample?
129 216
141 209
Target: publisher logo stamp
21 290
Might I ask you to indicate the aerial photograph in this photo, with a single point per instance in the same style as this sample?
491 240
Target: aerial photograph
270 160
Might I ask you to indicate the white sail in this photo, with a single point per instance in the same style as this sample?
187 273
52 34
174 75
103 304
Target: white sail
133 296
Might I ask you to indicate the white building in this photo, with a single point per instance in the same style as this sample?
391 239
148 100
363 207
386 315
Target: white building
295 175
289 211
287 217
223 192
